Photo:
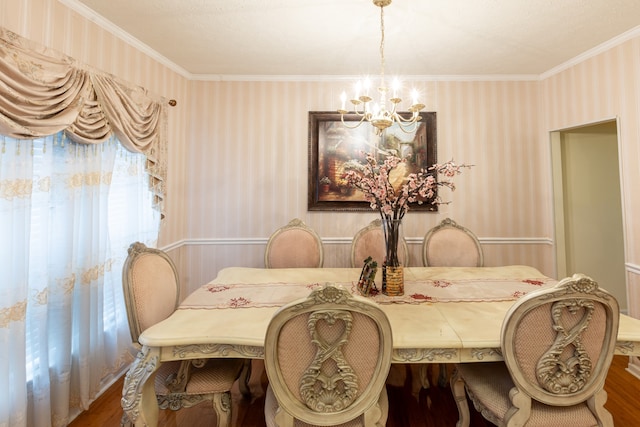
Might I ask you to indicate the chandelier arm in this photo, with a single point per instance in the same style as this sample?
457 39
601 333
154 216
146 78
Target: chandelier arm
393 111
415 117
364 111
358 123
407 127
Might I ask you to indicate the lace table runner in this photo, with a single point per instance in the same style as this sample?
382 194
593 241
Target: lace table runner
238 295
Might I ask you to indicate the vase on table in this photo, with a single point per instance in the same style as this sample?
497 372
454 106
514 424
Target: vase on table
392 269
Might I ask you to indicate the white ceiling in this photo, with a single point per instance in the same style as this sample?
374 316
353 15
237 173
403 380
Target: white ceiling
218 38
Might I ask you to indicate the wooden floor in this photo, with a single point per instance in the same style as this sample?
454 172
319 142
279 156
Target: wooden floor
434 408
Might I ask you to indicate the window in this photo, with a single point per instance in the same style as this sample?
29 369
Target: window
68 213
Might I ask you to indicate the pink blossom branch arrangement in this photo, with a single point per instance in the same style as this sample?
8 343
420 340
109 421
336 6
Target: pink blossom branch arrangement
390 195
373 179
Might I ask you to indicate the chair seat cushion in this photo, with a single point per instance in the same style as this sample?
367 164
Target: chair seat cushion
216 376
488 385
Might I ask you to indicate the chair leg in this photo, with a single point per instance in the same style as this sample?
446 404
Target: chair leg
596 404
460 396
397 376
442 375
419 378
424 375
257 372
222 407
124 421
243 380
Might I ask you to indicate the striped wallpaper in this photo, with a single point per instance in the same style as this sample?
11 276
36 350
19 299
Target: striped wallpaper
249 143
599 88
238 149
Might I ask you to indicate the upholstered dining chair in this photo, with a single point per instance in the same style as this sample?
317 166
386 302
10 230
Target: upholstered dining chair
449 244
294 245
327 358
369 241
557 345
152 293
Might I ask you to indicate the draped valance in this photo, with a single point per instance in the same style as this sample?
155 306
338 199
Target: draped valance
43 92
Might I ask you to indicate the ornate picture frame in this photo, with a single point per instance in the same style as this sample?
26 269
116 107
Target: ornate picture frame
332 144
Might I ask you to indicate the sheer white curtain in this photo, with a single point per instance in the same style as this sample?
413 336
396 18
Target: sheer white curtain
68 213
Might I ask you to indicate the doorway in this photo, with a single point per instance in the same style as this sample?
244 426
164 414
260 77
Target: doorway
588 208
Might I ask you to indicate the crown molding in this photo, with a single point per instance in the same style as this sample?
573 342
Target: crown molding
109 26
91 15
344 78
609 44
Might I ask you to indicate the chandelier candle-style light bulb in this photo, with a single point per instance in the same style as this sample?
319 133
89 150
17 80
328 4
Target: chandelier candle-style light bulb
377 113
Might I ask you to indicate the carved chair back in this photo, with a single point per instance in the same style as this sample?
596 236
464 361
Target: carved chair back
295 245
558 343
369 242
451 245
327 358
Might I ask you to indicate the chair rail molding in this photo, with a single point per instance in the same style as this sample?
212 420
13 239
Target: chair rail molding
633 268
347 241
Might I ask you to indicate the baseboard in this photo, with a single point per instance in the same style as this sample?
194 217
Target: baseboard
106 385
634 368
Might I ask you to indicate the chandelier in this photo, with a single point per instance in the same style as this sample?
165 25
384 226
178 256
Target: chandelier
377 113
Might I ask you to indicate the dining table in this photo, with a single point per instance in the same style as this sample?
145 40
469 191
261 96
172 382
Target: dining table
446 315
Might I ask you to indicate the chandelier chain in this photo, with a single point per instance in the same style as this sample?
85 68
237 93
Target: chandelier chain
382 61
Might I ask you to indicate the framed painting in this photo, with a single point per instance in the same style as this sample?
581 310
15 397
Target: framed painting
332 145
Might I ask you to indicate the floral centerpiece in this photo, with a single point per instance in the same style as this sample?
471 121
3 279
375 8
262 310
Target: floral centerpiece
389 192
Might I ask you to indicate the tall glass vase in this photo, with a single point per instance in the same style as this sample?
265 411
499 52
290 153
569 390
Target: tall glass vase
392 269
